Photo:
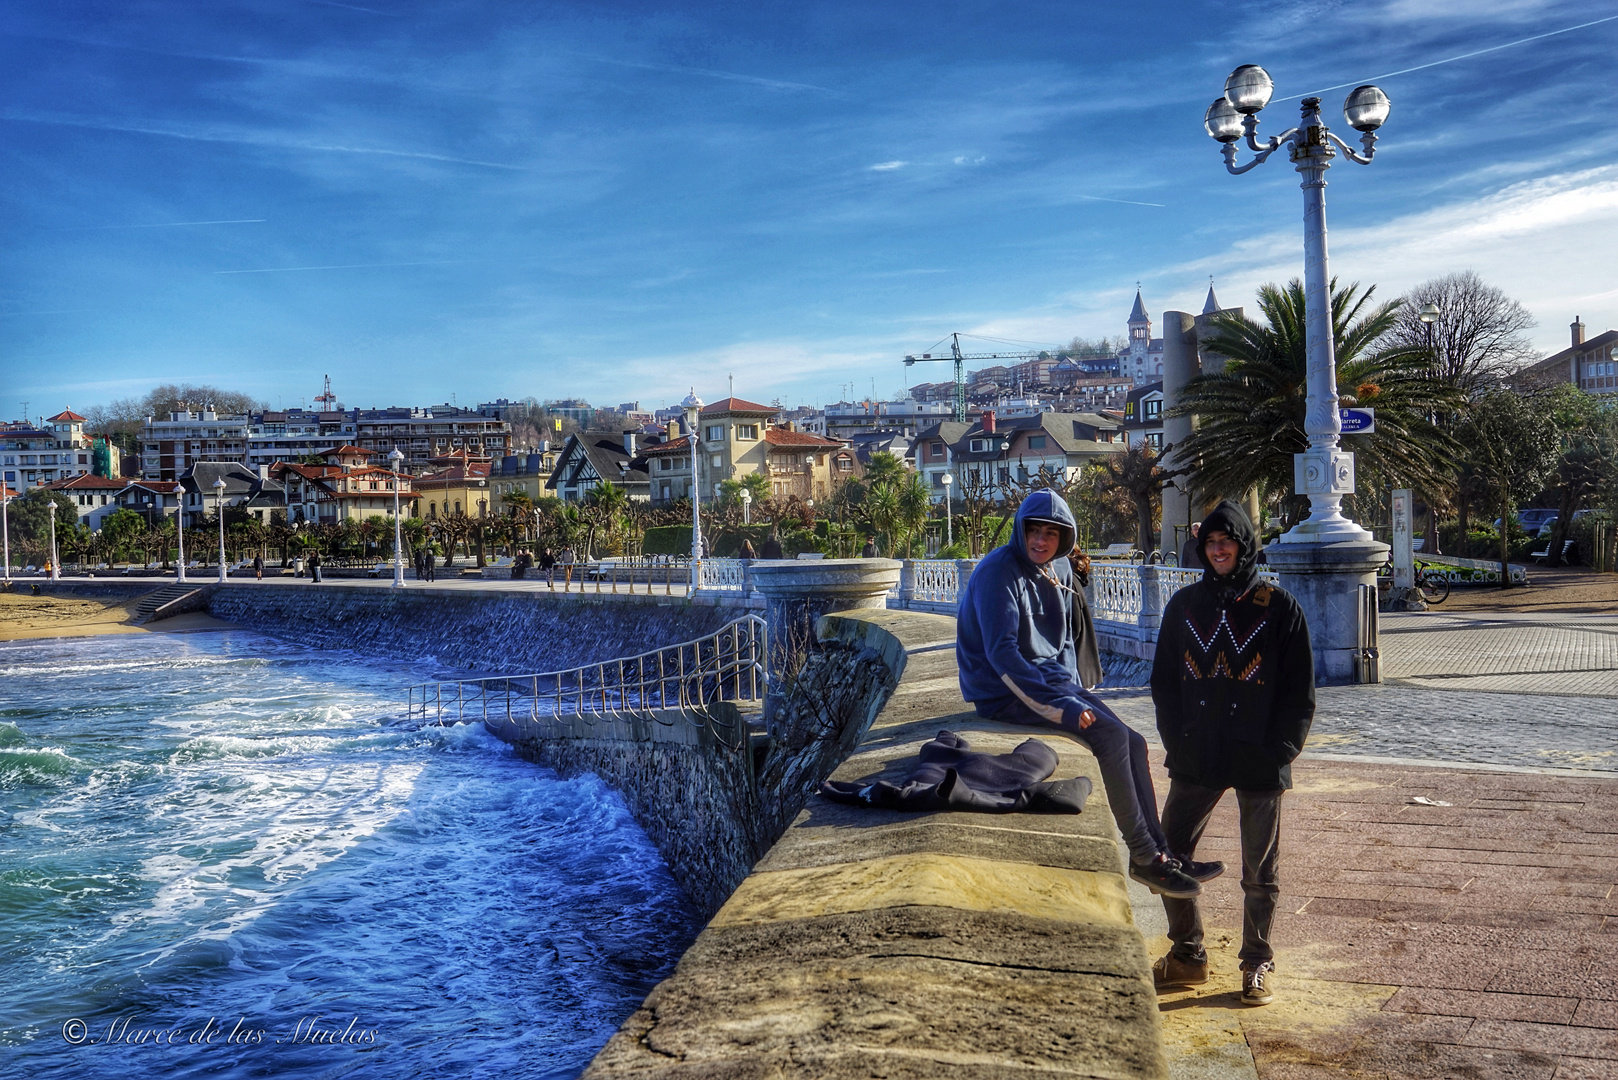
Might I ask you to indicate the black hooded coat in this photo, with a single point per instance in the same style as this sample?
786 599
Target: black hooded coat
1233 678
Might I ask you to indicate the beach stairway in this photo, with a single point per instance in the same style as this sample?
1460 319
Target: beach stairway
170 600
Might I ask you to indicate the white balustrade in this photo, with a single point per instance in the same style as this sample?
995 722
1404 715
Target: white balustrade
1115 593
936 580
727 575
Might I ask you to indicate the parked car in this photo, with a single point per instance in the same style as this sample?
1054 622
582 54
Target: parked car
1536 521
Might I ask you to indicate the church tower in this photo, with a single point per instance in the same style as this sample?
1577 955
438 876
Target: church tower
1140 326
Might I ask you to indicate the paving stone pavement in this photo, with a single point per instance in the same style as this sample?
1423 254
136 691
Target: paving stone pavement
1516 652
1477 939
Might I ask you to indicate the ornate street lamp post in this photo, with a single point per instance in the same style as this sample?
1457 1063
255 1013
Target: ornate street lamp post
949 511
1324 472
56 569
394 459
747 504
693 411
179 530
5 524
219 508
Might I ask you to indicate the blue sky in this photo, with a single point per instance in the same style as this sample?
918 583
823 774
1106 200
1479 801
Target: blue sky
619 200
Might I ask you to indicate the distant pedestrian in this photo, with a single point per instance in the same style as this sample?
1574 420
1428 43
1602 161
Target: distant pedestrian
566 559
746 550
1189 558
258 567
869 550
315 562
520 564
547 563
430 561
772 547
1234 685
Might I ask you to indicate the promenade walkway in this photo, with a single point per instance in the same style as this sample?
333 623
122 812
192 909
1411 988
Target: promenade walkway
1472 934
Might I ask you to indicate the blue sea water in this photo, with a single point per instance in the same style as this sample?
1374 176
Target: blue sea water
222 855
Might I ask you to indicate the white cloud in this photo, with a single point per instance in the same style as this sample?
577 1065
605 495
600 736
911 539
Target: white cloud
888 166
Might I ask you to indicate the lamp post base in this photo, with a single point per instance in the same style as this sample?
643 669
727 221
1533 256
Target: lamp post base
1326 578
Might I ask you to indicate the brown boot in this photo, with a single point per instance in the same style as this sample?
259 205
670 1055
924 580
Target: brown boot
1170 970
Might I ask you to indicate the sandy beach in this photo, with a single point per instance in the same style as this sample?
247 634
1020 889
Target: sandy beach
23 616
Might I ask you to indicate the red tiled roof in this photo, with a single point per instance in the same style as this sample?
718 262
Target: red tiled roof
88 481
160 487
681 445
792 439
348 450
66 416
738 405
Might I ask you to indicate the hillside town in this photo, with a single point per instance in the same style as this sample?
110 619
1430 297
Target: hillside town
291 477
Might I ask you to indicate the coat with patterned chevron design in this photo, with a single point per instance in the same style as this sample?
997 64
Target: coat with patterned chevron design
1234 685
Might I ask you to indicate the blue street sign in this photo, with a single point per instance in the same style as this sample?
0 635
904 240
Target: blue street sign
1358 421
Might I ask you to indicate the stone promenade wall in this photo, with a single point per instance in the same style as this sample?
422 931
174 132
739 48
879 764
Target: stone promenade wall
494 631
877 943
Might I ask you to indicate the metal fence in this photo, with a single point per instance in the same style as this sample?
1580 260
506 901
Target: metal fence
727 665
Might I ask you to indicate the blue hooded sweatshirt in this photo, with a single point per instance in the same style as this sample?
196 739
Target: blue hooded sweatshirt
1023 632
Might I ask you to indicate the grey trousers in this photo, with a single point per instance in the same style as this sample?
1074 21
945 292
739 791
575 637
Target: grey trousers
1185 816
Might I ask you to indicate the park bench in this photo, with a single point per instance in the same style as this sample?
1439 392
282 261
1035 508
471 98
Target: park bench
1567 551
1116 551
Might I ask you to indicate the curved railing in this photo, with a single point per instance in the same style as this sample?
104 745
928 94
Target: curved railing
690 677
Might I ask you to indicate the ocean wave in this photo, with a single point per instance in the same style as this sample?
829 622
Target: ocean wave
45 765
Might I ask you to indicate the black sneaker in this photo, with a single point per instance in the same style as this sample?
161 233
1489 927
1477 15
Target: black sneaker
1164 877
1201 871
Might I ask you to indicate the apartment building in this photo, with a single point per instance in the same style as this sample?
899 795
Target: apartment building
56 449
170 447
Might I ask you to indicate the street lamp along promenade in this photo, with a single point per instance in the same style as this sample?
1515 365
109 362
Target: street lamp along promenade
219 508
1324 472
394 458
949 511
179 531
5 525
56 569
693 412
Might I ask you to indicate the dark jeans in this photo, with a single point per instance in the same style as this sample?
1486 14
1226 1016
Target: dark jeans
1125 773
1185 817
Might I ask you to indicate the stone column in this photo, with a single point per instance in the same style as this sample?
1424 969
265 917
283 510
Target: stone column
963 574
1180 366
1325 578
798 593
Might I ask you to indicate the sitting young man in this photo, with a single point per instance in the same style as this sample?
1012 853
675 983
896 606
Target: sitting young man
1027 655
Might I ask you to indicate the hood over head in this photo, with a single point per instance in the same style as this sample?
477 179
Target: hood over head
1232 520
1044 505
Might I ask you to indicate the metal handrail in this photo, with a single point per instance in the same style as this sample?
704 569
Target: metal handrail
728 665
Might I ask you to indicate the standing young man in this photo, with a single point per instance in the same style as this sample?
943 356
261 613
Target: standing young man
1234 685
1027 655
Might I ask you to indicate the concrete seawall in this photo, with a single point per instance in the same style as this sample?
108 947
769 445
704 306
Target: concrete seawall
488 630
878 943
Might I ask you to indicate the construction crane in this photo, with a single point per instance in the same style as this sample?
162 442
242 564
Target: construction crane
328 400
960 358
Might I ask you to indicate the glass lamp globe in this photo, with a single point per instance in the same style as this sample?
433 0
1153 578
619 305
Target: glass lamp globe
1249 88
1428 313
1223 122
1366 108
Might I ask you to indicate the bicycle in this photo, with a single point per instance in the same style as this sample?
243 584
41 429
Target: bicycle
1432 583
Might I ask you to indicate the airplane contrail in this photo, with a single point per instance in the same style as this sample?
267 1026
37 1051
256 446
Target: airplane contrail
1126 202
1452 59
344 266
177 224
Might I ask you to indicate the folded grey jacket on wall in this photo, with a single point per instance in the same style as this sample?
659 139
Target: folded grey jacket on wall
950 775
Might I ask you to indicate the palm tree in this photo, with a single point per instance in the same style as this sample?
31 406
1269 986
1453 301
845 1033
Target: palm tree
1251 414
